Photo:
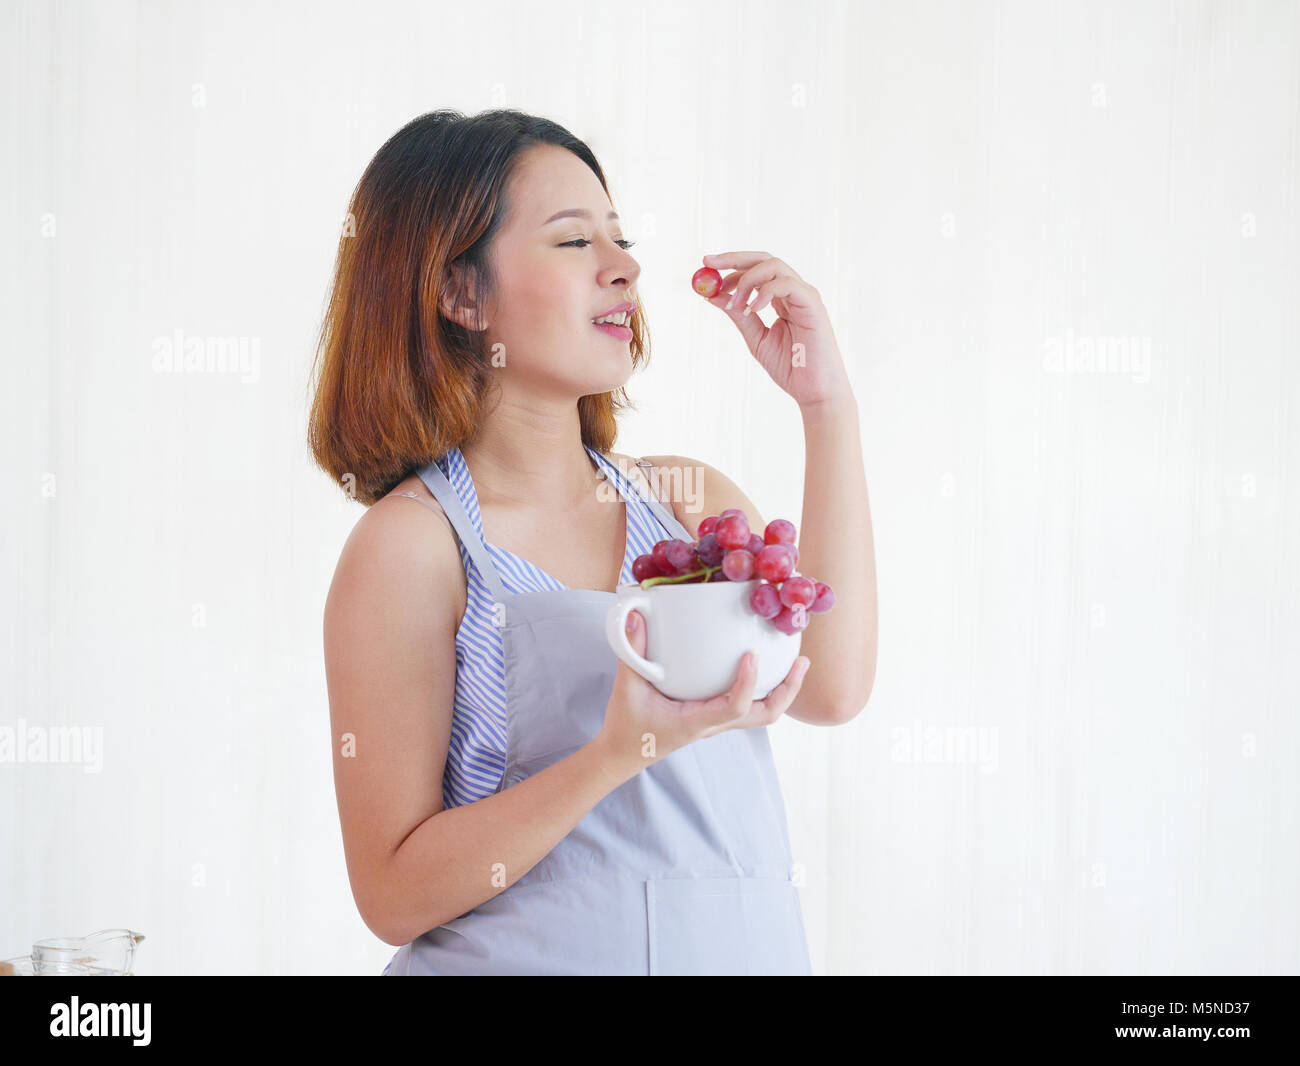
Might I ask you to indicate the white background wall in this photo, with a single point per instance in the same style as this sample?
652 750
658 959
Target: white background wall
1092 575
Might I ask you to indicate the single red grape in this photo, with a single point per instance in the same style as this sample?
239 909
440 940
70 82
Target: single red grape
779 531
738 565
706 281
732 531
765 601
798 590
659 554
791 619
707 525
774 563
644 567
824 600
680 555
709 550
755 544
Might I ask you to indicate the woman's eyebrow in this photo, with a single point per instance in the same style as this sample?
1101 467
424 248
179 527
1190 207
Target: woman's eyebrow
576 212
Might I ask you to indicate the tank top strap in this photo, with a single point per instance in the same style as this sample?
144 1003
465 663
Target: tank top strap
454 507
644 491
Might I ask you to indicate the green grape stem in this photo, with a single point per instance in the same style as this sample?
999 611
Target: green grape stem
678 579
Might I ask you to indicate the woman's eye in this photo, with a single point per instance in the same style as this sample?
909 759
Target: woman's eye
582 242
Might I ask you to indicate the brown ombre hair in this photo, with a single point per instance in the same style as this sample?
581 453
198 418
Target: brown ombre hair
396 382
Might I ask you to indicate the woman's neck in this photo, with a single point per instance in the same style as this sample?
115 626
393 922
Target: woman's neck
522 459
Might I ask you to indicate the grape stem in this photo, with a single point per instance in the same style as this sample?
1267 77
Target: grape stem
678 579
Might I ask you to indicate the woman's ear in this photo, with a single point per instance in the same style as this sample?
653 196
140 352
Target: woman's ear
456 302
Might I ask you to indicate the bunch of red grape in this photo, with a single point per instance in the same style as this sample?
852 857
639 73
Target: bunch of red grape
728 551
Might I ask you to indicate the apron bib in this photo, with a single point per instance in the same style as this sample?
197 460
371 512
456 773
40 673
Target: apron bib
684 869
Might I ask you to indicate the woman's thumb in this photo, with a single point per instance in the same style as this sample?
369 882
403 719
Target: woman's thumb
636 632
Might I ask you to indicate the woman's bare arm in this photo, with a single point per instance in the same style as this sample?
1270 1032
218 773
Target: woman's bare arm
390 665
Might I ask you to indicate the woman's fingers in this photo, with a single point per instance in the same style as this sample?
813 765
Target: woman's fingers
777 702
745 712
723 711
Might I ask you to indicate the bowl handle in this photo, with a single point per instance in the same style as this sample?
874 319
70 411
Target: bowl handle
616 634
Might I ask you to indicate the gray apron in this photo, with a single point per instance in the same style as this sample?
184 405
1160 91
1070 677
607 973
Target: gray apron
683 869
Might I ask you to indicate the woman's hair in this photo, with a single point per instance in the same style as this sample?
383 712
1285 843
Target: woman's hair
397 383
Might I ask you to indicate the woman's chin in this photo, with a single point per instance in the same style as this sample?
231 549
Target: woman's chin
618 367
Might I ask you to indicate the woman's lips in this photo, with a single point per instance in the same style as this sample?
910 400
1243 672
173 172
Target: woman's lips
619 332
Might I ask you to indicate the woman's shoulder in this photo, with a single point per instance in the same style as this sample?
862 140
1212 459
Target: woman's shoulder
400 520
397 528
414 488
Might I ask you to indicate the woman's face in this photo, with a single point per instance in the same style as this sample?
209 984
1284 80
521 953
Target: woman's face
550 289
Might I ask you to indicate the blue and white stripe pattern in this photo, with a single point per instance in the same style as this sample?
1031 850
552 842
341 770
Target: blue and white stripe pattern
476 757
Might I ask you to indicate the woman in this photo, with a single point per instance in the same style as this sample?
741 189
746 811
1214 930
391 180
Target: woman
501 811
